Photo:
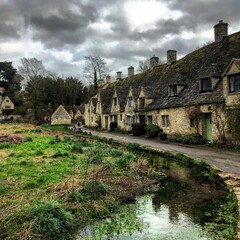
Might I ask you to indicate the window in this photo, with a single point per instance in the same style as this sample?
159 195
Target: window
192 122
206 85
120 117
142 102
115 118
234 83
130 102
91 119
172 90
142 119
165 121
7 100
115 101
149 119
128 120
7 107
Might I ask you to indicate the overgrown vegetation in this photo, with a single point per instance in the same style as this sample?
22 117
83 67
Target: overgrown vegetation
52 184
187 139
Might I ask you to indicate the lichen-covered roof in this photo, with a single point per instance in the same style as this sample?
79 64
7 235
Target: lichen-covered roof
208 61
106 96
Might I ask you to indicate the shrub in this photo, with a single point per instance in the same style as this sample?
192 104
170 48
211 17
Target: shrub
152 130
113 126
188 139
162 136
49 219
138 129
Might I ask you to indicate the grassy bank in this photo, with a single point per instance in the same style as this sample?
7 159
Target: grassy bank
53 184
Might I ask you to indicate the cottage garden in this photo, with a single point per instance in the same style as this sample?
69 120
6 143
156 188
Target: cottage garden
54 184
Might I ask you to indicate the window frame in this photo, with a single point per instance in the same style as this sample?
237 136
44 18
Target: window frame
130 101
165 121
114 101
235 80
206 84
141 102
173 90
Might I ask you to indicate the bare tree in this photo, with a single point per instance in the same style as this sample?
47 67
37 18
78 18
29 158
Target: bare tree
95 68
31 67
143 65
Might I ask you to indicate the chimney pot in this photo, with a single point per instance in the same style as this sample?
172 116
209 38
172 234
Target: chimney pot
220 30
171 56
130 71
119 75
154 61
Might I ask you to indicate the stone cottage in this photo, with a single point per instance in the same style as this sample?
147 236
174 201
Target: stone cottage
6 104
182 96
61 117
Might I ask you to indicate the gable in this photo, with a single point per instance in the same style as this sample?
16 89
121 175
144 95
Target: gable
61 113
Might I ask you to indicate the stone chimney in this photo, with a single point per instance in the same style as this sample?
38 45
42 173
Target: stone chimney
100 82
171 56
108 79
154 61
130 71
220 30
119 75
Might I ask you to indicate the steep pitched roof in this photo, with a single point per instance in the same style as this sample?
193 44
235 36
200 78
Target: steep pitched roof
208 61
106 96
61 112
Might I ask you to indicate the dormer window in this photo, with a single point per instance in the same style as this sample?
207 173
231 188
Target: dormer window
173 90
130 101
115 101
234 83
206 84
142 102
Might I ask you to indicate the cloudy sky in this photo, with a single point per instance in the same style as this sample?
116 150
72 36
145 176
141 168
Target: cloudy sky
123 32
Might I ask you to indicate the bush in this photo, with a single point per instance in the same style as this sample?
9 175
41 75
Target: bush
152 130
138 129
188 139
49 219
162 136
113 126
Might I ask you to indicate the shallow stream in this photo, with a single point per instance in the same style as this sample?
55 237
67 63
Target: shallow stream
170 213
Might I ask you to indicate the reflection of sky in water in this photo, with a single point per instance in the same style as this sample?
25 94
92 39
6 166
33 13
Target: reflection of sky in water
163 223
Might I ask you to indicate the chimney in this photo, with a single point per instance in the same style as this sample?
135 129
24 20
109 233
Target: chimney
153 61
220 30
119 75
108 79
130 71
171 56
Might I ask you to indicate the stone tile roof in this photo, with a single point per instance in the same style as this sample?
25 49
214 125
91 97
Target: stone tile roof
208 61
106 97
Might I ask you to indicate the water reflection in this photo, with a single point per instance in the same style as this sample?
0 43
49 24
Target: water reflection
143 221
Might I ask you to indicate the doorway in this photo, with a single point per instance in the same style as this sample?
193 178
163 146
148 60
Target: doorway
208 126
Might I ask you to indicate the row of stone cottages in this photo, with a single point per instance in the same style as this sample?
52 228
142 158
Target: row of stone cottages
182 96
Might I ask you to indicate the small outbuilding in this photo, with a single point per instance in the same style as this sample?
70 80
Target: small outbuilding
61 117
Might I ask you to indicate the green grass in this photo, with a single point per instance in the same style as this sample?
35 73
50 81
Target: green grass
47 181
